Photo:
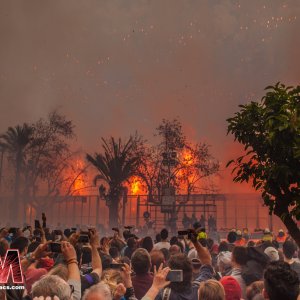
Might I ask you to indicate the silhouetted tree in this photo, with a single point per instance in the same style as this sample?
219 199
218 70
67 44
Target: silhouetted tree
16 142
270 133
117 163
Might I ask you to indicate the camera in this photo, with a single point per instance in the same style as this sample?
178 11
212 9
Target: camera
190 233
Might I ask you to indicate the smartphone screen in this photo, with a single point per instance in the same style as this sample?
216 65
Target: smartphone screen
116 266
175 276
84 239
55 247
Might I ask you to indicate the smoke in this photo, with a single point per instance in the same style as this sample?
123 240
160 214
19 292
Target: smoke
116 66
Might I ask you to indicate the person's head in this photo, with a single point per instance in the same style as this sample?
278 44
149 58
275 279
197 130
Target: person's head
60 270
174 249
173 240
239 256
157 258
113 279
164 234
141 261
223 246
98 291
166 253
254 289
114 252
272 253
211 290
280 282
232 288
20 243
32 246
147 243
289 248
50 286
181 262
224 261
131 243
231 237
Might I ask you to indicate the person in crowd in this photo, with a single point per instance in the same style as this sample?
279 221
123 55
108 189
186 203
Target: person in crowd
174 249
289 248
240 240
254 289
281 237
238 260
232 288
131 247
267 235
224 263
157 259
115 254
164 241
141 265
280 282
272 253
211 290
231 238
196 268
187 289
100 291
147 243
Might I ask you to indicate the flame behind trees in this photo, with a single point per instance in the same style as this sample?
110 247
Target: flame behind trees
176 162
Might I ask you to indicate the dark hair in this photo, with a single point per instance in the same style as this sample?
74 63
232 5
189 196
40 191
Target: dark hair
250 243
131 243
281 282
166 253
164 234
181 262
114 252
20 243
141 261
239 255
254 289
158 238
289 248
231 237
173 240
126 234
223 246
147 243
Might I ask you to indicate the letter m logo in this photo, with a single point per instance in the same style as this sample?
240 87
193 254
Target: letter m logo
11 266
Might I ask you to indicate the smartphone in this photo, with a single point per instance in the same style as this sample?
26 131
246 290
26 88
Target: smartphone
175 276
55 247
115 229
116 266
37 224
84 239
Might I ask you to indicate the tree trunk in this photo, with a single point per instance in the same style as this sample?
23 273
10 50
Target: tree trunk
289 223
14 204
113 212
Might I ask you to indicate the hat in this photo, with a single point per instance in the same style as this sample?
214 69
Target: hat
267 231
232 288
224 257
281 230
272 253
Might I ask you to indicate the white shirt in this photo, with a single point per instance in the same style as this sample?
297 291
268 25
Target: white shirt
161 245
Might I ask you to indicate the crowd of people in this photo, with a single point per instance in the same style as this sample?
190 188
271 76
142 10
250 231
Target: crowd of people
77 264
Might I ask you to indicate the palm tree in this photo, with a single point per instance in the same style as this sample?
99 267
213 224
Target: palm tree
118 162
15 142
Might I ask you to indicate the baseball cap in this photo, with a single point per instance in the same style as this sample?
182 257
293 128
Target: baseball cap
272 253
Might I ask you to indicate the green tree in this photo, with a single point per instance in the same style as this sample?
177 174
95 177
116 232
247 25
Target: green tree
15 143
270 133
118 162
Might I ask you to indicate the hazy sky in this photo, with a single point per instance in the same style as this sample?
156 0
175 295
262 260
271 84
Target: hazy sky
117 66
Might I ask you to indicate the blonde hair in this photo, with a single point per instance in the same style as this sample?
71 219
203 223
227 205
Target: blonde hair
211 290
60 270
112 278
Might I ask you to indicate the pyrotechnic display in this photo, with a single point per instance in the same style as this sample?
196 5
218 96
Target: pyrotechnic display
150 150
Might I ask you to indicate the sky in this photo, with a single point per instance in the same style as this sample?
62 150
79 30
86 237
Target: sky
116 66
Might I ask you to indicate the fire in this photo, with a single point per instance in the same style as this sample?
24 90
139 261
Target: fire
79 182
135 186
187 158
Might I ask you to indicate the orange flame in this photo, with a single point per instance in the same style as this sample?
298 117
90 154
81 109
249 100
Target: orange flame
135 186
